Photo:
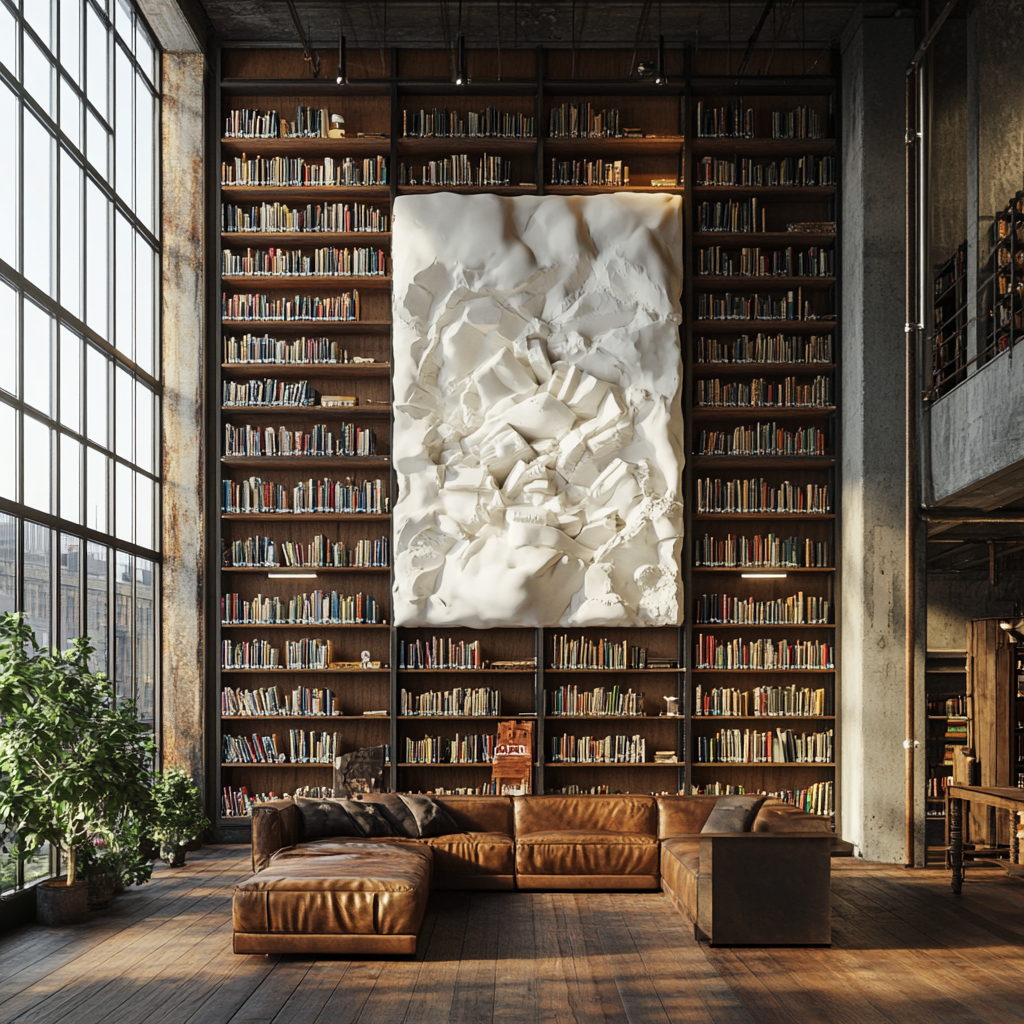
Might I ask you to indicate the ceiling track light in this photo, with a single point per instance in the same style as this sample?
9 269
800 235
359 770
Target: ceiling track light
461 78
660 78
342 78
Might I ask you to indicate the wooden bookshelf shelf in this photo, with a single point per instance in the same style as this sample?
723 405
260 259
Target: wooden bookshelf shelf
764 239
305 671
597 190
811 517
761 671
308 461
303 370
762 718
707 146
470 671
763 764
788 569
805 193
251 239
306 147
303 718
731 626
462 718
307 626
289 193
777 412
307 517
298 569
759 369
447 145
315 411
308 326
609 148
739 326
469 190
305 280
760 282
763 461
674 765
613 671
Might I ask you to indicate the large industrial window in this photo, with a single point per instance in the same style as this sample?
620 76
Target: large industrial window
79 339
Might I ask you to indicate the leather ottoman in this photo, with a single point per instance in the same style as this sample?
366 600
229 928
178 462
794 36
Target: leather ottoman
367 897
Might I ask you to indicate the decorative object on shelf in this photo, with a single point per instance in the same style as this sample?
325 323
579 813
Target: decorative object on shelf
672 707
178 815
513 758
73 756
360 771
562 416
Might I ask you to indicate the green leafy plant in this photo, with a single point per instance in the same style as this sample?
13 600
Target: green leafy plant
178 816
74 759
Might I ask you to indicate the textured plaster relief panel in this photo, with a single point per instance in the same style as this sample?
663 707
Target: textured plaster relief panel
538 425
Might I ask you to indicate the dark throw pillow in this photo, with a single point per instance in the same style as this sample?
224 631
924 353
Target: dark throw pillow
369 818
324 819
394 808
733 814
430 817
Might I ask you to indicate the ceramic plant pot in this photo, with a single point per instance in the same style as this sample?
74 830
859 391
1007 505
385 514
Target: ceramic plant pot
101 890
172 854
59 904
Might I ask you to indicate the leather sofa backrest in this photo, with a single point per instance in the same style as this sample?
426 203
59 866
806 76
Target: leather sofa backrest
480 813
627 813
777 816
683 815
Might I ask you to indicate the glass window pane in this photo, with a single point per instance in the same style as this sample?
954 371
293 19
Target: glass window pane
36 344
96 604
36 461
8 452
71 36
124 123
124 502
8 41
39 864
38 192
38 14
38 78
96 489
8 338
70 234
70 479
96 395
69 615
123 20
97 271
10 214
145 638
70 112
36 581
70 378
123 623
145 52
97 144
145 307
124 282
124 415
95 60
143 511
145 140
8 562
144 416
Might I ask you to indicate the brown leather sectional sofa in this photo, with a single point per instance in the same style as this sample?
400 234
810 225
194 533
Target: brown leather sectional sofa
347 895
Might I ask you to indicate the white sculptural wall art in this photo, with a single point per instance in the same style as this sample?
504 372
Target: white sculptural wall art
538 427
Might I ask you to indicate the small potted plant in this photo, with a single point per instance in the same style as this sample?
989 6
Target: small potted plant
73 757
177 815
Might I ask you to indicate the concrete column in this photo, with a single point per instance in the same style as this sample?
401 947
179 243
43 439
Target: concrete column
184 449
871 530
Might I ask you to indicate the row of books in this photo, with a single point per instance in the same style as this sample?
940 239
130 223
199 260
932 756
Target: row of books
818 798
748 746
569 749
257 495
268 392
765 348
238 803
480 700
719 496
601 700
787 701
584 121
937 785
787 172
320 552
295 172
763 654
796 609
251 348
733 215
581 652
589 172
752 261
484 789
270 701
952 706
439 653
764 439
319 607
458 169
475 749
730 306
762 551
313 217
328 261
322 440
735 120
250 306
450 124
307 653
254 749
308 123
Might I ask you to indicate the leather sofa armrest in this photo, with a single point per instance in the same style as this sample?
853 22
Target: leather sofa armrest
275 825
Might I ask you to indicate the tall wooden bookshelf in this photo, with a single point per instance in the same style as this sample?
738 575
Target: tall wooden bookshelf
553 123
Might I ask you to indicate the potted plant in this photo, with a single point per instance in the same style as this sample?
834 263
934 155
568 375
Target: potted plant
73 758
178 815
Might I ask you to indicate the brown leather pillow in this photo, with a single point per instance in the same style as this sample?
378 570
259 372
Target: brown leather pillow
430 817
733 814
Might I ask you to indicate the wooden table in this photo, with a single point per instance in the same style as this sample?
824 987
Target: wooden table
1007 798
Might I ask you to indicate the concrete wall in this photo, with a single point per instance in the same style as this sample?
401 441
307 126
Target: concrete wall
871 636
955 598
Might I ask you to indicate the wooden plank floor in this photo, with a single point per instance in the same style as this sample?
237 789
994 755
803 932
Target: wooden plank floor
905 951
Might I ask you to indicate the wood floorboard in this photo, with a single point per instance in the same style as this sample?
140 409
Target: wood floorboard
905 951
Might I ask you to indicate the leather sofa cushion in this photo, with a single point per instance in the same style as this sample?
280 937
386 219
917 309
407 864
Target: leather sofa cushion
680 867
473 853
777 816
369 889
340 845
480 813
683 815
626 814
586 852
